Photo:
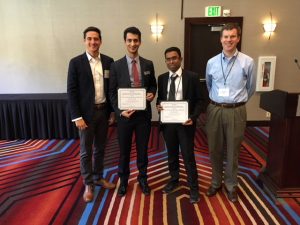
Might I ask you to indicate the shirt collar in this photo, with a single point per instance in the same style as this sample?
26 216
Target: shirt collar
178 72
129 60
225 57
90 57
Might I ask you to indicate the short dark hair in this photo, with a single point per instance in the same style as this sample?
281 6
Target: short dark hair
231 26
173 49
91 29
132 30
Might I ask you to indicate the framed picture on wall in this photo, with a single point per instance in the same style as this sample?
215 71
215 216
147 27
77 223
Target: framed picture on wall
265 73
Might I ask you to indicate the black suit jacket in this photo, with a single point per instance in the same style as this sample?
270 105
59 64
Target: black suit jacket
190 88
120 78
80 86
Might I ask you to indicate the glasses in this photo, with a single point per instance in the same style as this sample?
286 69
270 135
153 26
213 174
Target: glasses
171 59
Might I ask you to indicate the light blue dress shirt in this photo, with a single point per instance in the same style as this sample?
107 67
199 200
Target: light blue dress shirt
237 75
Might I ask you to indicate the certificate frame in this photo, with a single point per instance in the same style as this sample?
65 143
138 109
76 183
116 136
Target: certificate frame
265 73
132 98
174 111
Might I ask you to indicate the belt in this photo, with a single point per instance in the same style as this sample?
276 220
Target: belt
100 105
228 105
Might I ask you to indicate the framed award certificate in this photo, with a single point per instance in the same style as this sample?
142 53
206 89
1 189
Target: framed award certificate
174 111
132 98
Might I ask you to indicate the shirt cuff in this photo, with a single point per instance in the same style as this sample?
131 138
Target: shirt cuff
79 118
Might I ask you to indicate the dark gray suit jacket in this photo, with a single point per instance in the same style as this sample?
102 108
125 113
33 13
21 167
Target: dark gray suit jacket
120 78
81 89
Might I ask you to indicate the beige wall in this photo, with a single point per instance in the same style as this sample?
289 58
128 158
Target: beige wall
39 37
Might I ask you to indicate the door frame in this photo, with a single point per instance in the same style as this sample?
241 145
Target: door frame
189 22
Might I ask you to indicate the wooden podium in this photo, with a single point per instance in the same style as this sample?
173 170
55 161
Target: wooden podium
282 173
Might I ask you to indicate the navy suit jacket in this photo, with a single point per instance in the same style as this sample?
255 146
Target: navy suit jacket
81 89
190 88
120 78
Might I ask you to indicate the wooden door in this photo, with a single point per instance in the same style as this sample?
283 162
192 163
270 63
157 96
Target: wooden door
202 41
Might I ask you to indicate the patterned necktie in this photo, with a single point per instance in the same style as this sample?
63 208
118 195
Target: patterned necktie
172 88
135 73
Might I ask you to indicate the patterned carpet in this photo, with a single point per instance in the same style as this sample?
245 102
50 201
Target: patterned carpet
40 183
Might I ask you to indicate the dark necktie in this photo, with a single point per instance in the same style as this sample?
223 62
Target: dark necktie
135 74
172 88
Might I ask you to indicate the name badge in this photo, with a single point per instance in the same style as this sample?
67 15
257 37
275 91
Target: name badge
223 92
106 73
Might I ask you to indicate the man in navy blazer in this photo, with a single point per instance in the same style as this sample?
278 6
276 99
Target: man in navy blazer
129 72
91 111
180 136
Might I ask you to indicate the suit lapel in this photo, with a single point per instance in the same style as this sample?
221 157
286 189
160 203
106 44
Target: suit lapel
126 75
142 64
87 66
165 86
103 62
184 85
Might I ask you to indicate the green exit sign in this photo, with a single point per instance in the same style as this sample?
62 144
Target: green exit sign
213 11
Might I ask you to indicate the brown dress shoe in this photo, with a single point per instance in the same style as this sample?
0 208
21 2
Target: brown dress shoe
88 194
104 183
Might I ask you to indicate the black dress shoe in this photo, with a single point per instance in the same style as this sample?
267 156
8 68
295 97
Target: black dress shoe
171 186
232 195
212 191
145 187
194 196
122 190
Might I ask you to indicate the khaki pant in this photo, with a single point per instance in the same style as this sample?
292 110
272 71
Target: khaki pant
225 130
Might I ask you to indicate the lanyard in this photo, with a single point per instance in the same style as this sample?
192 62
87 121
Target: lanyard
225 77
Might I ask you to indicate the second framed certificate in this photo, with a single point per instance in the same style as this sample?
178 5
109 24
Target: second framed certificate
132 98
174 111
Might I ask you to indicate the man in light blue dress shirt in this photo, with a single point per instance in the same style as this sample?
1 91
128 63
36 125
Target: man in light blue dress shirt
230 81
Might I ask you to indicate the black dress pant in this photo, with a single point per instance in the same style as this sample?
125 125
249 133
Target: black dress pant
141 125
92 145
180 137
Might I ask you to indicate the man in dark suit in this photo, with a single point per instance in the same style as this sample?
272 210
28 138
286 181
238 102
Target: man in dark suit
129 72
186 87
88 80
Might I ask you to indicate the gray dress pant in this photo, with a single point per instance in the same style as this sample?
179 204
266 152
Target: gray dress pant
225 131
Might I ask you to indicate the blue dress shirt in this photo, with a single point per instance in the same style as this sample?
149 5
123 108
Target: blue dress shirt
237 76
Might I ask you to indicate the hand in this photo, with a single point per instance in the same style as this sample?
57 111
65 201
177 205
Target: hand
159 108
127 113
112 118
80 124
150 96
188 122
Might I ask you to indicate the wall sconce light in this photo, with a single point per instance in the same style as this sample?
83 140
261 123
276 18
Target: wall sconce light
156 28
269 27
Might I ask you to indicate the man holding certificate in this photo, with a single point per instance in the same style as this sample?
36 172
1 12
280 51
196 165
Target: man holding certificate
132 85
177 88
